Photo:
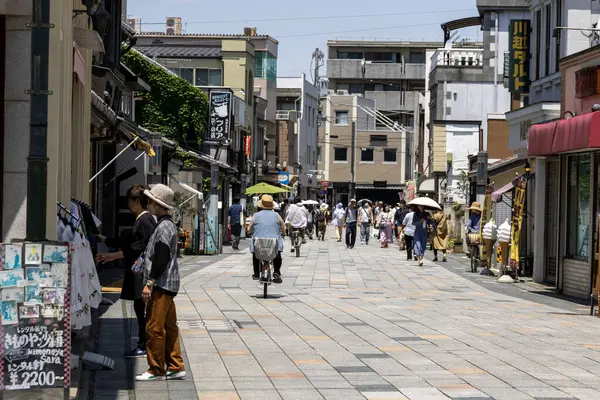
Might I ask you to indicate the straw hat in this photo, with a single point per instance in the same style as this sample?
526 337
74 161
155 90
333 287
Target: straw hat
266 202
475 206
162 195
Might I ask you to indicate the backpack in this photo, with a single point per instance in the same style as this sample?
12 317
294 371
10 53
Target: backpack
320 216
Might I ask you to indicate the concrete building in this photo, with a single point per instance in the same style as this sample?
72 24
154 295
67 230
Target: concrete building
71 45
246 64
392 74
368 162
468 97
296 145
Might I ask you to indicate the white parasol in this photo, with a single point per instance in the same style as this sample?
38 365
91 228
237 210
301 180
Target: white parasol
310 203
425 202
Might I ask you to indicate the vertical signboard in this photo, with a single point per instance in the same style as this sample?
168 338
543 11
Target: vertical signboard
486 216
517 222
518 34
35 334
219 124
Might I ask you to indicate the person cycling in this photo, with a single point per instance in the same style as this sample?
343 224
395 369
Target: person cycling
297 218
266 224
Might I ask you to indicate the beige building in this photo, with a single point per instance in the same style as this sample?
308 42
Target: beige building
379 156
68 119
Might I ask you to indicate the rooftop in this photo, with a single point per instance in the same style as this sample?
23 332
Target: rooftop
489 5
207 36
180 51
385 43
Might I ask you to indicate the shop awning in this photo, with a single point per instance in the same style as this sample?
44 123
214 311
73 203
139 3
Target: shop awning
497 195
372 187
88 39
577 133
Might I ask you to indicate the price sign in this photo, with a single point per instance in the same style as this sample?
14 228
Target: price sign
35 334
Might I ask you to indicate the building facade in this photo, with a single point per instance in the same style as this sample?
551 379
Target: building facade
359 160
296 145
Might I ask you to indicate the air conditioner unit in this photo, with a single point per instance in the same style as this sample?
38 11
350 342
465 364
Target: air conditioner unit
342 93
173 26
330 91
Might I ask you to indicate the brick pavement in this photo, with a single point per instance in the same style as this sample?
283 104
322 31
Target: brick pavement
364 323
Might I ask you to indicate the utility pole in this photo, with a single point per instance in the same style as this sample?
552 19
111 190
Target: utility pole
352 162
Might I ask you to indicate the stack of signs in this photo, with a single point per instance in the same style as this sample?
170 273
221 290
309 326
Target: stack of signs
35 338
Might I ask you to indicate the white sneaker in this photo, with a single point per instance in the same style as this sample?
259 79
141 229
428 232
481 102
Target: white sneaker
147 376
176 375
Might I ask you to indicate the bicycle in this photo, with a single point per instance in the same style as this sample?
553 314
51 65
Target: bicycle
266 250
473 242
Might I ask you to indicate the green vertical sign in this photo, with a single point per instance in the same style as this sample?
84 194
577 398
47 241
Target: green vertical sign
518 74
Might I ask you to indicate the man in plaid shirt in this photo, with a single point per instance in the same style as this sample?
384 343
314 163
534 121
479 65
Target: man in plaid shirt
161 284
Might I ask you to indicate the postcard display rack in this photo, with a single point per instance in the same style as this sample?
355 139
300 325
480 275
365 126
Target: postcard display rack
35 334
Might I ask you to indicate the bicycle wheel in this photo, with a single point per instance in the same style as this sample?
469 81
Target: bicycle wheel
298 251
474 258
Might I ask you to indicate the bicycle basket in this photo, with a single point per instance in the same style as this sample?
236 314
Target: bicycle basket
266 249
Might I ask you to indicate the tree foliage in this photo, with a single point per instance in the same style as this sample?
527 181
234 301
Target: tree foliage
464 185
173 106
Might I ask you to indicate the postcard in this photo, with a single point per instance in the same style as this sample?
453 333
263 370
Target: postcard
33 253
32 294
53 311
55 253
10 278
13 256
53 296
13 294
37 274
60 275
29 311
9 312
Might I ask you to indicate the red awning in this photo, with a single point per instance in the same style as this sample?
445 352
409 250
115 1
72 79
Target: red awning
577 133
497 195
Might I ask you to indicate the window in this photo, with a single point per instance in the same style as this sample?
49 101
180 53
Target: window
250 89
352 88
367 155
208 77
389 156
578 211
319 151
343 55
340 154
341 118
557 39
538 43
187 74
417 57
378 140
265 66
548 36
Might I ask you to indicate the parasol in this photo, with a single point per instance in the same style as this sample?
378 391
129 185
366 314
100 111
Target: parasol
265 188
310 203
362 200
425 202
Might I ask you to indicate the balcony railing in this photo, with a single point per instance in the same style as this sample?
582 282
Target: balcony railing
457 58
353 69
392 101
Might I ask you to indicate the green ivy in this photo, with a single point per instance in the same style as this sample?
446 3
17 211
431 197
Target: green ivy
189 161
173 107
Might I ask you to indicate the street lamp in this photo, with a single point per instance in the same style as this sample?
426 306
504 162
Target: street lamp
100 19
527 167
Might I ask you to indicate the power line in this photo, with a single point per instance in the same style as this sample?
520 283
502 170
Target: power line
313 17
354 30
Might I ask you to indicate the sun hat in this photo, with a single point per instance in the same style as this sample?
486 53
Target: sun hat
352 200
266 202
161 194
475 206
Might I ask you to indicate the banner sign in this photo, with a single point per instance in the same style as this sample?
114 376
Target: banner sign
219 124
247 146
35 334
517 221
486 216
518 35
283 177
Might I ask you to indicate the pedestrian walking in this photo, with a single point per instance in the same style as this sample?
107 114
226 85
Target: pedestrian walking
440 241
235 222
322 216
161 285
364 221
351 221
420 221
385 221
131 244
408 229
338 221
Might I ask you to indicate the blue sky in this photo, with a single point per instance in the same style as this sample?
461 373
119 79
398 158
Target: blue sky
398 19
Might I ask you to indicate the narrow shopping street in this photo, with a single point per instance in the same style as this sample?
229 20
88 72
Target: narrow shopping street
365 323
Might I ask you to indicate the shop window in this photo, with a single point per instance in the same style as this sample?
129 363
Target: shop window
578 210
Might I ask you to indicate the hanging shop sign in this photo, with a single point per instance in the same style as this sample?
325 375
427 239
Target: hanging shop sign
247 146
35 334
219 126
517 222
283 177
486 215
518 34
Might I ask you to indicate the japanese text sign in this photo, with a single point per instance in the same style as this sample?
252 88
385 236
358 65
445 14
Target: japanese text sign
219 124
518 35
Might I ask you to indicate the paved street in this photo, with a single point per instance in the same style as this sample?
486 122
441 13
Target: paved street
365 323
